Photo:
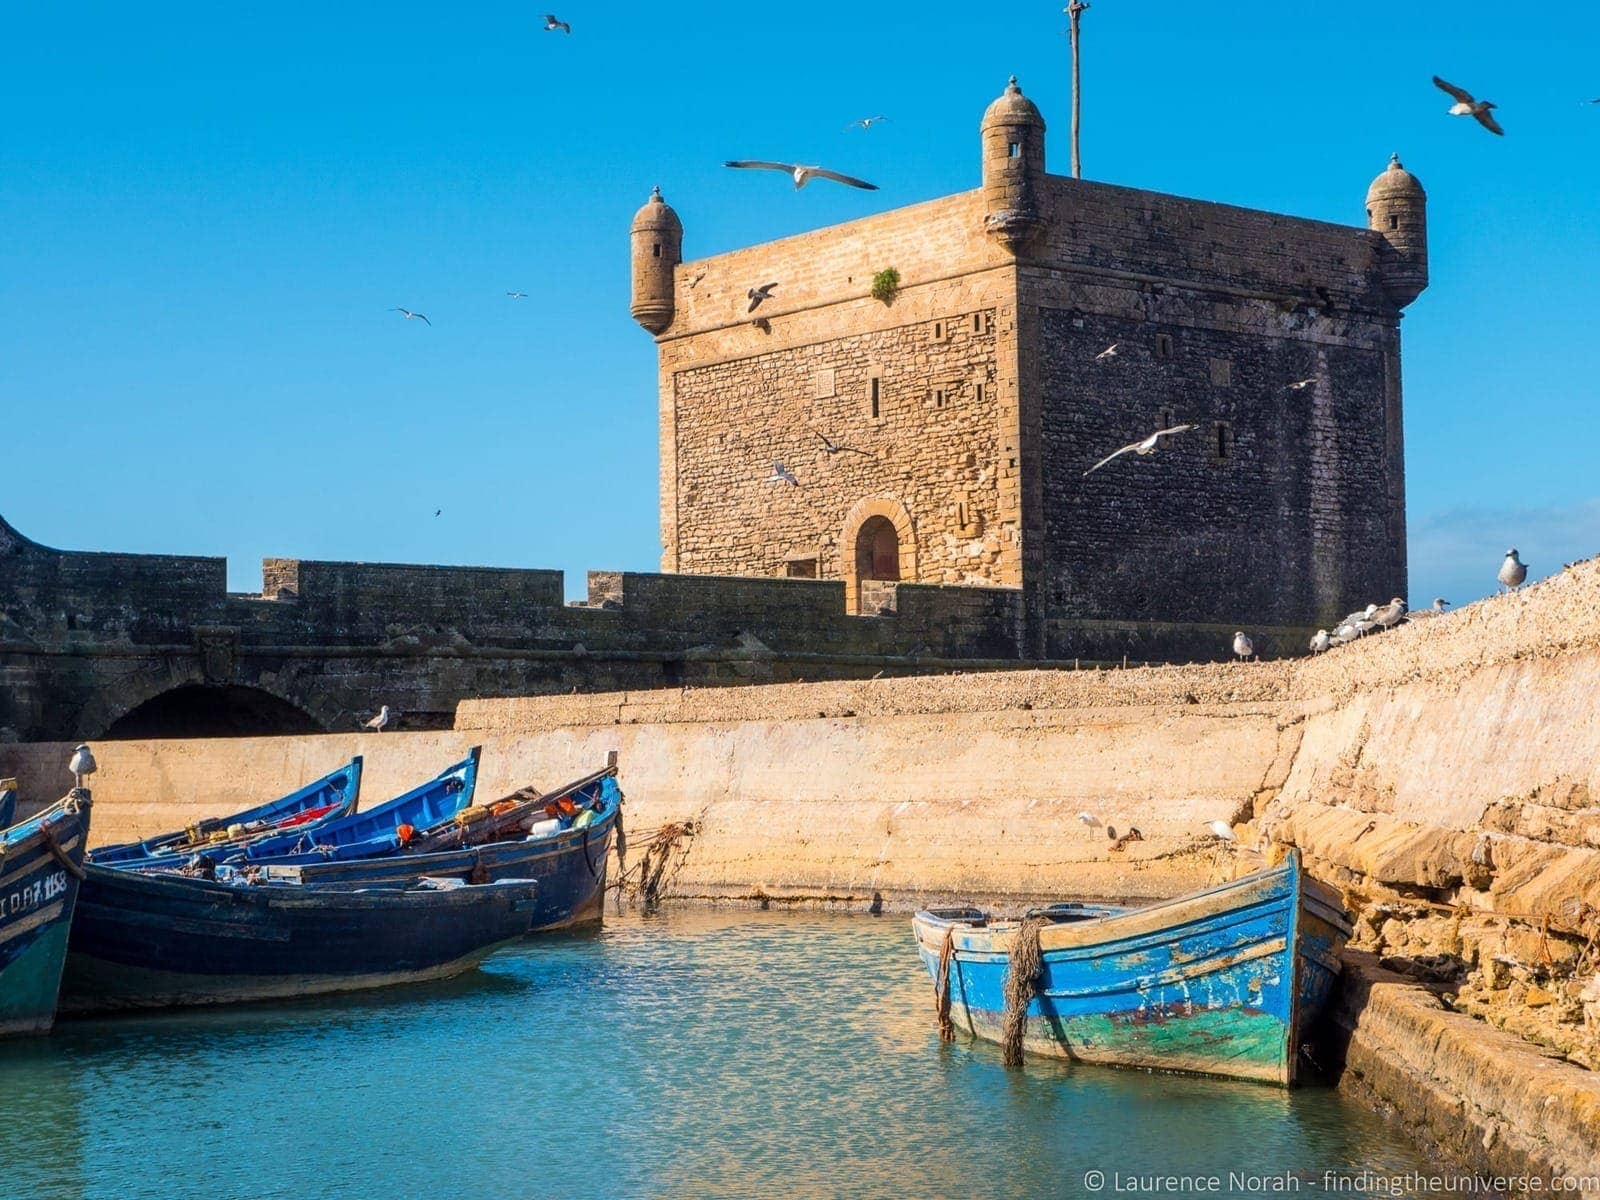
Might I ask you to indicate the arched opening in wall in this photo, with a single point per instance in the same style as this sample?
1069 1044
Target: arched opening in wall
877 562
195 710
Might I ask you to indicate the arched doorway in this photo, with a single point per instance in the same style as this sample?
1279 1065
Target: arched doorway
879 548
197 710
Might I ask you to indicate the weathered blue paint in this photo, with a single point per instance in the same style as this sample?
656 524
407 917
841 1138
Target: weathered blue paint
151 939
39 864
374 832
1224 981
569 865
337 792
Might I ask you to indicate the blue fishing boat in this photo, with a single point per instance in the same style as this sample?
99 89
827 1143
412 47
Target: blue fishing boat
8 801
382 830
565 854
1225 981
41 863
157 939
327 799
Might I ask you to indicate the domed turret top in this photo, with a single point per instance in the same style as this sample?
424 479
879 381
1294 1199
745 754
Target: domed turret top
1395 183
1013 108
656 214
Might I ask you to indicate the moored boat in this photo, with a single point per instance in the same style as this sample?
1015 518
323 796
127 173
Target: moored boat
378 831
327 799
40 868
8 801
1225 981
155 939
565 854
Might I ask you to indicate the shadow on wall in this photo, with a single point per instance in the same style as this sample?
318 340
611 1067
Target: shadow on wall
196 710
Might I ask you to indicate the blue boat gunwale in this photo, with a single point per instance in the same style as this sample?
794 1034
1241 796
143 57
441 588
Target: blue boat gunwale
8 802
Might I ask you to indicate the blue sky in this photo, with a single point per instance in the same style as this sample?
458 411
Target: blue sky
207 211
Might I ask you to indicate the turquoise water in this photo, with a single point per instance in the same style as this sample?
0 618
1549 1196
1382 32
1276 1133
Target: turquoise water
693 1054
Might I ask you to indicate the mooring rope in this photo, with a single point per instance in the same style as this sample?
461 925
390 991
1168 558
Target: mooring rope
1022 982
941 985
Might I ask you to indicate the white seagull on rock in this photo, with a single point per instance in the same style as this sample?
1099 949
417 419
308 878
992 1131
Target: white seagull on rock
1437 610
1391 614
380 722
1088 819
1321 641
1242 645
1466 106
800 173
1222 831
1512 572
1142 447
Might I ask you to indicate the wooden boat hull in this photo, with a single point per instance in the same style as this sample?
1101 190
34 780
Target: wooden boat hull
38 894
569 867
149 940
1225 981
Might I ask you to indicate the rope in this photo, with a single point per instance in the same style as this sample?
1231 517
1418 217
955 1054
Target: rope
48 837
941 986
1022 981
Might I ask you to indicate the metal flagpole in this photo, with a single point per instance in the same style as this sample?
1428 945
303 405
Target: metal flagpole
1074 11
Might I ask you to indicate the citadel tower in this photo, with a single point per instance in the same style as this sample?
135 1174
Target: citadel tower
973 401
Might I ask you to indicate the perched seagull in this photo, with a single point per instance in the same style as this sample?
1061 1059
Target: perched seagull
1222 831
1321 641
801 175
830 446
380 722
757 295
1109 352
82 765
411 316
1088 819
1466 106
1512 572
1439 605
864 123
1148 445
1301 385
518 295
1364 626
782 474
1364 614
553 23
1391 614
1243 646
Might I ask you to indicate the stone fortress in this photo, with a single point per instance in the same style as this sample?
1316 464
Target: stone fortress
962 536
979 400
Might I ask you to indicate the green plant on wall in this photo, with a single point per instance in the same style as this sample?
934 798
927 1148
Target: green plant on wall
886 285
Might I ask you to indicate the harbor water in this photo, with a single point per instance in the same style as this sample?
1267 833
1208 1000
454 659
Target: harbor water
689 1054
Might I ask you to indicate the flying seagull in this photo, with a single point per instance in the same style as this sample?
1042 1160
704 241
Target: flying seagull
518 295
757 295
864 123
1512 572
832 447
1243 646
1109 352
1301 385
782 474
412 316
437 511
1146 446
553 23
801 174
380 722
1466 106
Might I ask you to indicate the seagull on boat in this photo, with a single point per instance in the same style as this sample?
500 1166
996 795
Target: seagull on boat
1437 610
412 316
1142 447
1391 614
830 446
800 173
380 722
1109 352
1301 385
757 295
1222 831
864 123
782 474
1466 106
1321 641
82 765
1243 646
553 23
1512 572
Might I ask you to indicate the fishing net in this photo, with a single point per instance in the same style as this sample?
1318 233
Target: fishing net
1022 981
941 986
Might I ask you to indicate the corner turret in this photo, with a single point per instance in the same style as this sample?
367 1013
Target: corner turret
1397 210
657 237
1013 165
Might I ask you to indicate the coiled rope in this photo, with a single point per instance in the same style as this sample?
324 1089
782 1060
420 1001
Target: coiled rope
1022 983
941 986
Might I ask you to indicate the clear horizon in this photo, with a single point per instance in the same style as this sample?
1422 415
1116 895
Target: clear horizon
207 219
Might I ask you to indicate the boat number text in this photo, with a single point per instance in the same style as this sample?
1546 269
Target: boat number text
32 895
